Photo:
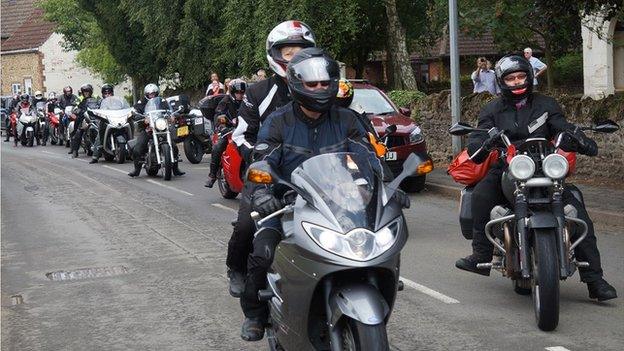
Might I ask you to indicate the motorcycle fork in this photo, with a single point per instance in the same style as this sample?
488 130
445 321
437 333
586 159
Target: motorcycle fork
335 337
521 210
156 148
557 208
170 146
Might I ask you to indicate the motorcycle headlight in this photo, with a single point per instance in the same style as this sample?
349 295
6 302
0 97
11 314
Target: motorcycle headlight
555 166
160 124
521 167
359 244
416 136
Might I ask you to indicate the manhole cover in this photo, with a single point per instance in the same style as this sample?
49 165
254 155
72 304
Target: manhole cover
87 273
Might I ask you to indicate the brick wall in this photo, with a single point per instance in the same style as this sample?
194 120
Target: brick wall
16 67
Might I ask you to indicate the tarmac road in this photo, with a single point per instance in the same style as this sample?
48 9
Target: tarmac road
148 256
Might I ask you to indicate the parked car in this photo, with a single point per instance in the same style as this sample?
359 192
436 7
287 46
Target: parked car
407 139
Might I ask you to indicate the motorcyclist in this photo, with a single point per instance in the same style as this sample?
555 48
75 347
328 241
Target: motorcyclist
52 102
264 97
88 101
227 108
11 109
107 90
310 125
142 138
38 97
68 98
522 113
23 104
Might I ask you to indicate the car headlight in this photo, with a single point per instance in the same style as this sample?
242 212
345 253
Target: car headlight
522 167
555 166
160 124
416 136
359 244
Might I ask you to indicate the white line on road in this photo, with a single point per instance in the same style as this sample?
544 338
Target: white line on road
223 207
169 187
115 169
427 291
557 348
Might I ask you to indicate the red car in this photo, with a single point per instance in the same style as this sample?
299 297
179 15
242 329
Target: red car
407 139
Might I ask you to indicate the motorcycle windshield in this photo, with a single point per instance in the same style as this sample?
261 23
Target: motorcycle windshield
114 103
153 105
342 186
92 103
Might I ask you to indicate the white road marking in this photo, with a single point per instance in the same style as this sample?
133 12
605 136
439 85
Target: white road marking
169 187
200 167
427 291
115 169
557 348
223 207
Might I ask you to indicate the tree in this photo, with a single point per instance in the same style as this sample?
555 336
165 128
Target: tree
398 57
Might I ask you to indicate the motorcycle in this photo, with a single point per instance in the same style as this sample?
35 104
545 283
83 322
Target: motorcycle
115 112
42 124
335 275
27 126
67 119
54 119
230 174
532 235
192 129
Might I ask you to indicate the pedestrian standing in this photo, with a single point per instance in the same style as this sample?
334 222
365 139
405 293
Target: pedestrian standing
215 86
539 67
484 78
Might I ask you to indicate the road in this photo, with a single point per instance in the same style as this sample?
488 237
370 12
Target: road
147 258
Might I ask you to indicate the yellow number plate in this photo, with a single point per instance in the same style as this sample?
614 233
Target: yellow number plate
183 131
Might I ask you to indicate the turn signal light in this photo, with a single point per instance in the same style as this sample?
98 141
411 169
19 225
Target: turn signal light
259 177
425 167
380 148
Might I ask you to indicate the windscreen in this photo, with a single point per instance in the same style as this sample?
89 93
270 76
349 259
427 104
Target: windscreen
370 101
114 103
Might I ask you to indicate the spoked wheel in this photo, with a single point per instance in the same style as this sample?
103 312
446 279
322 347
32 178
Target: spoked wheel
545 280
224 187
357 336
167 161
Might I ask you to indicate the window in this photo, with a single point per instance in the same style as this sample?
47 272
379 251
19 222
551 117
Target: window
28 86
16 88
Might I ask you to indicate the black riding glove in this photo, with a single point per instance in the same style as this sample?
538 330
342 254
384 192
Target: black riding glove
586 146
401 197
265 203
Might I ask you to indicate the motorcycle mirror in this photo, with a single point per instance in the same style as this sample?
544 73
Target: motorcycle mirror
405 111
391 129
461 128
414 165
606 126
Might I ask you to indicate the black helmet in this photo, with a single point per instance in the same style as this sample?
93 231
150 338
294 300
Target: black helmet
313 65
24 97
67 91
86 88
237 86
107 89
511 64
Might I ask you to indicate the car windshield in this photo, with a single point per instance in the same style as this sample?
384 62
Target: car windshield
341 183
370 101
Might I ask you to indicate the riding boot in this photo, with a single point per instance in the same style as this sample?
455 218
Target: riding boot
210 181
176 170
137 169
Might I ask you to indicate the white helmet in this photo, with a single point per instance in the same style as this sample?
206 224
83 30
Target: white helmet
38 94
151 88
288 33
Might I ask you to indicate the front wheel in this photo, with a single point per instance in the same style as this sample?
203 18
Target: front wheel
168 163
545 279
120 151
357 336
30 138
193 150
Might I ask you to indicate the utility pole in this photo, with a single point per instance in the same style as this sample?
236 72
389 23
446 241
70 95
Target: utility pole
455 81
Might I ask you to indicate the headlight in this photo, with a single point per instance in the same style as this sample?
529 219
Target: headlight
160 124
416 136
521 167
555 166
359 244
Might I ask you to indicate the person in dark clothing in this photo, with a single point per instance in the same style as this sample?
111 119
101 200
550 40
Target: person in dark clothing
52 102
68 98
151 91
523 114
38 98
264 97
12 108
88 101
310 125
107 90
228 109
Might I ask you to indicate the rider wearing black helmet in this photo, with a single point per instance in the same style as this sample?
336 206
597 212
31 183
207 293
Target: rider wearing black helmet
523 114
88 101
310 125
107 90
264 97
226 111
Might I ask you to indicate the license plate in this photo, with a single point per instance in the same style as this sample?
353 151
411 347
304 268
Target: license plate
391 156
183 131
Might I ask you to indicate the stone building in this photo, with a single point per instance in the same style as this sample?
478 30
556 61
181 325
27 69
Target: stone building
603 58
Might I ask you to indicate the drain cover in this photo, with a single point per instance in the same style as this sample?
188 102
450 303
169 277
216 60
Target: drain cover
87 273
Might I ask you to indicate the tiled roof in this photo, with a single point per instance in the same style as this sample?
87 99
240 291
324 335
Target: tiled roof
24 25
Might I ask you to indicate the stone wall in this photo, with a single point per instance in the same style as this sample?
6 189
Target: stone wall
434 117
16 67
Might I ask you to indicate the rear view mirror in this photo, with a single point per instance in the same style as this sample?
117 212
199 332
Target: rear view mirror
414 165
405 111
606 126
461 128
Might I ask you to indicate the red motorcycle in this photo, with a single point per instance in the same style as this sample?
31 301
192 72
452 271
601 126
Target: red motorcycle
12 128
229 176
55 129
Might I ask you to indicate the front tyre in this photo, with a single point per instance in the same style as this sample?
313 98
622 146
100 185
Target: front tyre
545 280
168 163
193 150
120 153
357 336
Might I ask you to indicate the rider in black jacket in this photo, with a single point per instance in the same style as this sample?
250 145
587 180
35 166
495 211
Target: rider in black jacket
88 101
522 113
107 90
261 99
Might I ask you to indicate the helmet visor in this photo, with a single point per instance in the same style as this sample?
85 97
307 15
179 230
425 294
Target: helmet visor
314 69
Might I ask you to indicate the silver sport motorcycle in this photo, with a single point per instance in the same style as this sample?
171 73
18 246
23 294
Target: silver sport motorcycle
335 275
115 111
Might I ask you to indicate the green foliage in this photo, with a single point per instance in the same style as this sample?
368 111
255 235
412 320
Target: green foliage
569 68
405 98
